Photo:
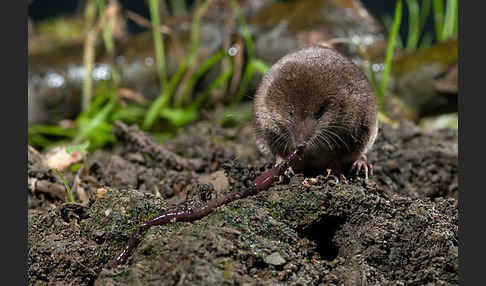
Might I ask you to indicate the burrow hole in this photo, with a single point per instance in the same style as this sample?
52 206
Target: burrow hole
323 233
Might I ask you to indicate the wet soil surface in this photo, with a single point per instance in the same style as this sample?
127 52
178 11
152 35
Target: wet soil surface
399 229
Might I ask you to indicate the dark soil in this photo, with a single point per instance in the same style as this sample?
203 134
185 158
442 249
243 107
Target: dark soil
399 229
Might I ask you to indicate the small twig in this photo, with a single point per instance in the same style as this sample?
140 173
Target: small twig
144 22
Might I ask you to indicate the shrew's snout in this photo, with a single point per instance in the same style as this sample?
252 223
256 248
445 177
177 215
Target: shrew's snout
303 132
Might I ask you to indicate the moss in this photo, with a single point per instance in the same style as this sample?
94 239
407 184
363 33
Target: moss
230 244
445 53
299 14
227 270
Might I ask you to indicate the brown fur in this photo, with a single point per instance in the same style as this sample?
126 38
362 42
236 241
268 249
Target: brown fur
303 85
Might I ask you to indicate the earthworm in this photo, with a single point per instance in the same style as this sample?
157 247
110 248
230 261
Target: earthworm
261 183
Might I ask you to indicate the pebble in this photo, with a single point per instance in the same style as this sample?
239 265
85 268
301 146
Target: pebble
274 259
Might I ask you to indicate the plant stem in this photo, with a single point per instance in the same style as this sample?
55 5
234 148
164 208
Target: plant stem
88 63
202 70
424 12
100 117
450 19
178 7
250 51
164 98
245 31
220 80
191 58
438 18
397 19
413 25
70 193
158 42
108 41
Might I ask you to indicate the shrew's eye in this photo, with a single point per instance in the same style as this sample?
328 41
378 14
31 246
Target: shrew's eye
320 111
291 112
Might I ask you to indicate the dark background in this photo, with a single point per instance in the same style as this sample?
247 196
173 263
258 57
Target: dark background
45 9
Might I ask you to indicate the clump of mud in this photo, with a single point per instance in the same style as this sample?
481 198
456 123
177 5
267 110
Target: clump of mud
401 228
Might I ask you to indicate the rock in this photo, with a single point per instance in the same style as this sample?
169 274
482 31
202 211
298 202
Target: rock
274 259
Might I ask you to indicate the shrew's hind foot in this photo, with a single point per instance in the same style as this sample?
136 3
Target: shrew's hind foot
334 172
336 177
362 166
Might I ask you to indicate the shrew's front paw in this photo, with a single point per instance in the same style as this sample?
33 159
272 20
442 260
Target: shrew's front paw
362 166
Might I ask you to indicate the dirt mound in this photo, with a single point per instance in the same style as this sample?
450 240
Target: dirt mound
401 228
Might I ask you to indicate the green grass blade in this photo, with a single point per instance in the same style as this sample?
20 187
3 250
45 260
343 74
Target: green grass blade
103 94
87 129
178 7
456 23
202 70
196 24
52 130
438 19
450 19
219 81
180 116
260 66
252 66
162 101
128 114
158 42
68 189
388 22
154 110
413 25
194 51
424 13
426 41
107 35
40 141
397 19
109 43
82 148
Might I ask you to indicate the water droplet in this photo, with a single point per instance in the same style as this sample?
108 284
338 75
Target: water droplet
233 50
149 61
101 72
54 80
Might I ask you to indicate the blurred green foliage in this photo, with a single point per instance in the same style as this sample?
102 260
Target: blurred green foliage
179 102
445 24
